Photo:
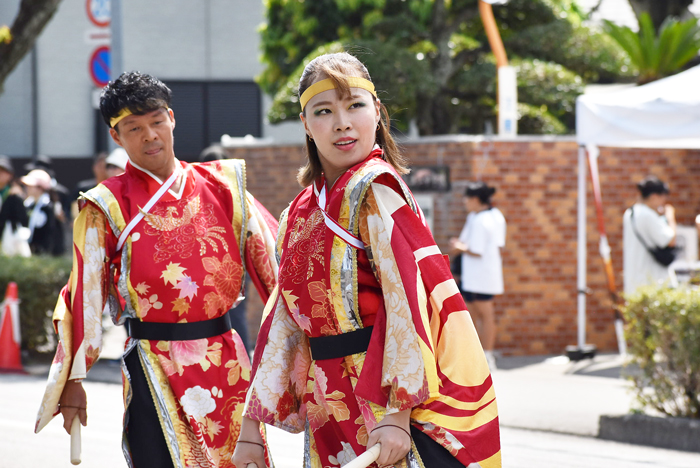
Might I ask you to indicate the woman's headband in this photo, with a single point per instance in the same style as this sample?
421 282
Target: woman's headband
325 85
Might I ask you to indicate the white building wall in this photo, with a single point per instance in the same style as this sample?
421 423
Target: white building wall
177 39
66 119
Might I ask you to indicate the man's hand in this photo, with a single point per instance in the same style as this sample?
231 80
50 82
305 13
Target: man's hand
73 402
395 441
250 447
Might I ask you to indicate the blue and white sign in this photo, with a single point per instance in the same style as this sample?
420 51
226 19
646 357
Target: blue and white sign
100 66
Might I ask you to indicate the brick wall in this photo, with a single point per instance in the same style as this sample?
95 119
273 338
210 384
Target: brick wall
537 182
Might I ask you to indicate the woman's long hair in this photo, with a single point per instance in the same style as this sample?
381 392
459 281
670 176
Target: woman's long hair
338 67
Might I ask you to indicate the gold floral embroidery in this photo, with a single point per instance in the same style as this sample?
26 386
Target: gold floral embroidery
305 245
180 235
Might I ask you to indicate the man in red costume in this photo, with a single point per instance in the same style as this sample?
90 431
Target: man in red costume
164 248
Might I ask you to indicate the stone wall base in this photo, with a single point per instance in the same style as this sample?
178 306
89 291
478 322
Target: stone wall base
670 433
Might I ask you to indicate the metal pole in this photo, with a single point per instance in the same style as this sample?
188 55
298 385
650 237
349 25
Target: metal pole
116 67
581 286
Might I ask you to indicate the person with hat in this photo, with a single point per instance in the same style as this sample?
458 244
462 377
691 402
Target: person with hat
164 248
42 212
479 245
650 223
115 163
61 197
12 211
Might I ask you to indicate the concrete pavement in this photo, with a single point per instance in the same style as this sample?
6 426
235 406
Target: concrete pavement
534 393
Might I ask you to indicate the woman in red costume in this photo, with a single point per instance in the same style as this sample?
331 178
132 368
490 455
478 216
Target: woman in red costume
366 339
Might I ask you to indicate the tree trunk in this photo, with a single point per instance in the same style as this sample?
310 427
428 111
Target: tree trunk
433 118
660 10
31 19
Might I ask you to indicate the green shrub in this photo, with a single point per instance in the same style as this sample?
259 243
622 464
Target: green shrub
39 281
663 333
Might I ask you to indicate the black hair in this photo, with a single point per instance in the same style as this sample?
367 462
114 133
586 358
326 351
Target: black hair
650 185
481 191
138 92
339 67
212 153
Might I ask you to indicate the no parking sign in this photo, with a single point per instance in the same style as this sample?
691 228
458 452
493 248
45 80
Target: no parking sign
100 66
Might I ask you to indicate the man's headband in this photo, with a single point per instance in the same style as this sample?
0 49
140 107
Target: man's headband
121 115
118 118
325 85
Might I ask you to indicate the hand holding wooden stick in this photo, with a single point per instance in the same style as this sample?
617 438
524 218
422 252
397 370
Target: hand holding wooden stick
367 458
75 441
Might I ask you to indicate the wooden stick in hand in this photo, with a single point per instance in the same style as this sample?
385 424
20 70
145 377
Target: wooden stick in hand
367 458
75 441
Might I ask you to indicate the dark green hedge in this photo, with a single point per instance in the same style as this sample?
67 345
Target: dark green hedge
39 281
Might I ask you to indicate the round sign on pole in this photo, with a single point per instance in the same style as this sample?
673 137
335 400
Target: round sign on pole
99 12
100 66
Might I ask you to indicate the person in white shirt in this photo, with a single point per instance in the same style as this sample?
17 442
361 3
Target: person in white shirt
649 223
480 243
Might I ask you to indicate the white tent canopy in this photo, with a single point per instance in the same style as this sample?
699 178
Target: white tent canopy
661 114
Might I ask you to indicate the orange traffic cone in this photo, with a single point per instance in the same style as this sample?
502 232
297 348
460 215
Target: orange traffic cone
9 332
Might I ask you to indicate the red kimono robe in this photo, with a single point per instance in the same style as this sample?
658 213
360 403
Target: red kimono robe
424 352
184 262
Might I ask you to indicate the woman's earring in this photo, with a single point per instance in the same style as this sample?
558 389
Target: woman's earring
310 137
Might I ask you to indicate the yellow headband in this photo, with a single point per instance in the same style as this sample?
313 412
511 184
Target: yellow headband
122 114
115 120
325 85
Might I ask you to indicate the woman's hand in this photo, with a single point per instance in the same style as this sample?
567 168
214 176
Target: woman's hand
73 402
250 447
395 441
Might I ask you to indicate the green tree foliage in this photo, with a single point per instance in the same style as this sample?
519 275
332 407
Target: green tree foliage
660 55
433 63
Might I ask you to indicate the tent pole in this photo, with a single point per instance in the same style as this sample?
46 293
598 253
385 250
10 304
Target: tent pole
581 286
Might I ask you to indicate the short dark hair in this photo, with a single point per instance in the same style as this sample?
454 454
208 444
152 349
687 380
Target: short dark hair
138 92
650 185
481 191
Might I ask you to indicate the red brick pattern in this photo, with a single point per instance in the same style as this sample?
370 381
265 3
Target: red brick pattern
537 182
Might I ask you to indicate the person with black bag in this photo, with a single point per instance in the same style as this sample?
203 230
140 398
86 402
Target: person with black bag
649 236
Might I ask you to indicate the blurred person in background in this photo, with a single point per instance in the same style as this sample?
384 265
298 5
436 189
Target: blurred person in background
42 215
480 243
99 172
61 199
649 223
115 163
12 211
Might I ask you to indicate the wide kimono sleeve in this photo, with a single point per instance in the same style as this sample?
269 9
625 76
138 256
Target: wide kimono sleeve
431 356
77 317
280 364
260 255
405 374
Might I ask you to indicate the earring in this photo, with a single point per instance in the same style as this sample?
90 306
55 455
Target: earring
310 137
